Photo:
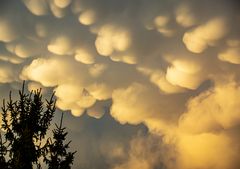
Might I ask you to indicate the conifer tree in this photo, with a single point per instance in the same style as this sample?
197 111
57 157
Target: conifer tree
3 152
25 123
59 157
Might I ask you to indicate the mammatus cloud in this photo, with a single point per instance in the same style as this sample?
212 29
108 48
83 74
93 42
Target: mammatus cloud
37 7
231 52
6 74
87 17
111 38
170 65
9 33
205 35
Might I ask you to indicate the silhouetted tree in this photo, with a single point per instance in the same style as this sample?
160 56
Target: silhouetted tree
25 123
58 157
3 152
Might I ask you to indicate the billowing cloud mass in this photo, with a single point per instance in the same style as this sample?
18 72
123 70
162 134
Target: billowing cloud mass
172 66
205 35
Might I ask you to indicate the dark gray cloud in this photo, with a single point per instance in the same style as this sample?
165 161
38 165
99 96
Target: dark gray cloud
100 143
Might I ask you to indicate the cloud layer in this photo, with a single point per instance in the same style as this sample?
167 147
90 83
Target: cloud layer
170 65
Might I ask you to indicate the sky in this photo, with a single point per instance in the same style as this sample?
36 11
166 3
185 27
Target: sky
150 84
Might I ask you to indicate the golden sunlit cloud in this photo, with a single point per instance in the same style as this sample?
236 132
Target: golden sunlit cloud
112 38
205 35
184 16
84 56
37 7
87 17
232 53
8 30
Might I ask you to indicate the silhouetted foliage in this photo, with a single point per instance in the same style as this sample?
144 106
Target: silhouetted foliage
25 123
58 157
3 152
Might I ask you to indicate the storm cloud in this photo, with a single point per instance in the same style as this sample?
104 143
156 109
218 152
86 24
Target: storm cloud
169 65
